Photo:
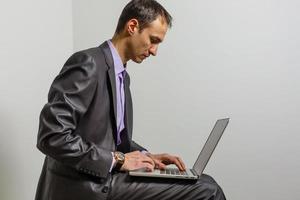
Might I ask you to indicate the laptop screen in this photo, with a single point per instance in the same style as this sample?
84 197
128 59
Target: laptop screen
210 145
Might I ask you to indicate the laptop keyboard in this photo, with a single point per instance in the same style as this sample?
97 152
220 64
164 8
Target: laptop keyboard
173 171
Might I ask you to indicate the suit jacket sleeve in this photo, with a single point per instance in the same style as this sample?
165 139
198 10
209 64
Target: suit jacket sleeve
136 147
69 98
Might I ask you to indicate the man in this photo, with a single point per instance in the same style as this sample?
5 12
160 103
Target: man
86 126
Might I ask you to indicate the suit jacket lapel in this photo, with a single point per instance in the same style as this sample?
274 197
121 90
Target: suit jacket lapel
128 106
111 75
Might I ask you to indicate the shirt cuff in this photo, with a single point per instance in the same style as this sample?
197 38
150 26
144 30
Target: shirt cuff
144 152
113 163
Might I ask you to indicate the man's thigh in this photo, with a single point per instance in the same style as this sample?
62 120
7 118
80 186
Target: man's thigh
138 188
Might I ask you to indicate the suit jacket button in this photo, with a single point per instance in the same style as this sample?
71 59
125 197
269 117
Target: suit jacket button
105 189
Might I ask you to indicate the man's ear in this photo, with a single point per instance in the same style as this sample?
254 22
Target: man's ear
132 26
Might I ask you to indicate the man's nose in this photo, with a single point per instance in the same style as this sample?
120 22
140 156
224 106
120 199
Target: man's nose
153 50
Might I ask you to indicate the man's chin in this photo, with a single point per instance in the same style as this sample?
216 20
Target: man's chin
138 60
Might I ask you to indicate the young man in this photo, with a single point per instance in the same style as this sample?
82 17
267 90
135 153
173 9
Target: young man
86 126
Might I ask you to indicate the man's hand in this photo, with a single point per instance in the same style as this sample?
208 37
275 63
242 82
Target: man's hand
137 160
161 160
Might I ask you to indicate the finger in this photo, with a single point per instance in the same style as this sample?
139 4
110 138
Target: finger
156 162
147 159
175 160
148 167
159 164
181 163
178 164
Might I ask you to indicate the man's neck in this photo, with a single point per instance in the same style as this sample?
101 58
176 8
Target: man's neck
119 43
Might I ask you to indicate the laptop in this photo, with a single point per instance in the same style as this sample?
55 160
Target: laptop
200 163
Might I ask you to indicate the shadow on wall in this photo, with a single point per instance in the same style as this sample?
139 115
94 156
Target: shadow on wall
8 160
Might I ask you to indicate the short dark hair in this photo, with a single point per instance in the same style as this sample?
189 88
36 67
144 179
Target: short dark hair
145 11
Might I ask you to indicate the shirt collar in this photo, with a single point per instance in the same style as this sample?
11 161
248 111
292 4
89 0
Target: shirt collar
118 64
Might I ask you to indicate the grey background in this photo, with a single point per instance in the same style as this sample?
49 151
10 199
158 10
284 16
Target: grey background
237 59
36 38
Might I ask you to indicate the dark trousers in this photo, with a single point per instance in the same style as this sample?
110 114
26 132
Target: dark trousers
124 187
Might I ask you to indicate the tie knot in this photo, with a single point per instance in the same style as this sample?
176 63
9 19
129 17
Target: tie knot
121 74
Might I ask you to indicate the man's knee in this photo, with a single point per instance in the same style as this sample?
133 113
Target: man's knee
207 179
209 188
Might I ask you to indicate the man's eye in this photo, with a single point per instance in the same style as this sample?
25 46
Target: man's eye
154 40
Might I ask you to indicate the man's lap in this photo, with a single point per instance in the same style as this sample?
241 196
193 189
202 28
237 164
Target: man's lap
138 188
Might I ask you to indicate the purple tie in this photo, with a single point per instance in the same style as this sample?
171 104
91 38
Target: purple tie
121 106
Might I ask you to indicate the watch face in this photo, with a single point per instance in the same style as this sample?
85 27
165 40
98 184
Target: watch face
120 157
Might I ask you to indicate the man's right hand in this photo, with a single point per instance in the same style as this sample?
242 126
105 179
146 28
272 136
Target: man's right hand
137 160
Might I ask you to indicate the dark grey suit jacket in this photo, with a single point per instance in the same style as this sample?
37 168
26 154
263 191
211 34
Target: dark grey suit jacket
77 130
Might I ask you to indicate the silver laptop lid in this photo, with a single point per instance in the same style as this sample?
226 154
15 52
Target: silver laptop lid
210 145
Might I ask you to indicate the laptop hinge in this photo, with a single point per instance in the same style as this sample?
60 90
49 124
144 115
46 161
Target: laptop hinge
194 172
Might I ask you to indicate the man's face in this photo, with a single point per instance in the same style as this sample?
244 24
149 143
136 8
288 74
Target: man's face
145 43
